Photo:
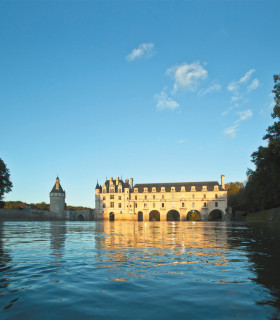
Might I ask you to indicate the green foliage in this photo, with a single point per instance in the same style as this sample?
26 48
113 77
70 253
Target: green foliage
263 187
5 182
38 206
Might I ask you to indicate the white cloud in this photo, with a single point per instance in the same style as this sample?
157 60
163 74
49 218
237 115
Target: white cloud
235 85
180 141
231 131
214 87
144 50
253 85
243 115
164 102
187 75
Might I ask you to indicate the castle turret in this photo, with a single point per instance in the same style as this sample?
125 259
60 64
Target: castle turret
223 181
57 198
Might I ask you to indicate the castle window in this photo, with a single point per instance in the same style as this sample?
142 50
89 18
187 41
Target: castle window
193 188
120 190
183 204
104 198
135 197
216 204
145 189
112 190
204 196
193 196
162 205
154 197
120 205
173 205
216 196
154 205
120 198
205 204
172 196
183 196
216 188
204 188
183 189
111 196
193 204
104 205
145 197
173 189
135 189
162 197
162 189
154 189
135 205
145 205
112 204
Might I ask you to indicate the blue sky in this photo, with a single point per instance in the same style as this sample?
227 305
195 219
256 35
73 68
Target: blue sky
159 91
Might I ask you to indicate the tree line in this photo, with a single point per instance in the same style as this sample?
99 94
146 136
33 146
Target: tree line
262 189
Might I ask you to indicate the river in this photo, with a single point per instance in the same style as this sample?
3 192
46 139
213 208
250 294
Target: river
139 270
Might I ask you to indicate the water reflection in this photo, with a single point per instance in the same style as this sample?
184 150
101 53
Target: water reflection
57 238
212 270
261 243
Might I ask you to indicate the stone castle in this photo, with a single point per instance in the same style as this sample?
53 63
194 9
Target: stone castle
121 200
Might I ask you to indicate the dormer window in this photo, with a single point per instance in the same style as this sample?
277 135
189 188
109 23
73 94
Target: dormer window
162 189
112 190
120 190
204 188
183 189
145 189
216 188
154 189
135 189
172 189
193 188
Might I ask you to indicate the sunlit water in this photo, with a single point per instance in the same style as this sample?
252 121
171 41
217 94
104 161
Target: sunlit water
139 270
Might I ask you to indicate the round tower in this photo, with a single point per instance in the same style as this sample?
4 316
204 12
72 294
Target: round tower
57 198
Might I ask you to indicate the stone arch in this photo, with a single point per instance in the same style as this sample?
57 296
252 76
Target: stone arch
111 216
154 215
193 215
173 215
140 216
80 217
215 215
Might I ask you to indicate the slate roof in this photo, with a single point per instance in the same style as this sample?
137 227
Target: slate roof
198 186
121 182
60 190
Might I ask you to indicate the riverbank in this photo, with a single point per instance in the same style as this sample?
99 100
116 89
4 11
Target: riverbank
271 215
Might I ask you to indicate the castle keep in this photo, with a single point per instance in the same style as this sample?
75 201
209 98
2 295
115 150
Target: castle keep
121 200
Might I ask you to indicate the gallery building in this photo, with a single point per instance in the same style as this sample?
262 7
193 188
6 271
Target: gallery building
121 200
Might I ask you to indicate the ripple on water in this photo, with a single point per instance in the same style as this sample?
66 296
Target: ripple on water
139 270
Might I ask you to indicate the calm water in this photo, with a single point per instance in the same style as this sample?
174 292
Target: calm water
139 270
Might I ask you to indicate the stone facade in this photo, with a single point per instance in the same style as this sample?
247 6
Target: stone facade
120 200
57 198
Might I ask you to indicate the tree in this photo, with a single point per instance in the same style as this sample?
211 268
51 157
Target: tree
263 186
5 182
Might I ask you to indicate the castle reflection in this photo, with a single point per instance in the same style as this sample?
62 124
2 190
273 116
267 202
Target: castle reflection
207 242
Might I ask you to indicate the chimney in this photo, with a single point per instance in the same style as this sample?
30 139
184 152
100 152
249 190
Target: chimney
223 181
111 180
131 183
117 180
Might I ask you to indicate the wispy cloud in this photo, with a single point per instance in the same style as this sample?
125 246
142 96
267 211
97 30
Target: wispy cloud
164 102
180 141
253 85
187 76
242 116
143 50
214 87
235 85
